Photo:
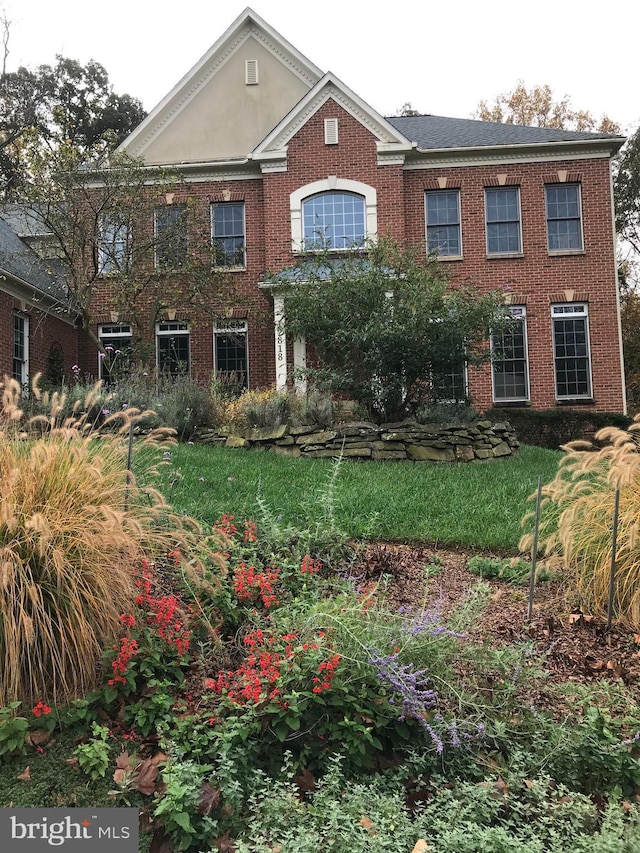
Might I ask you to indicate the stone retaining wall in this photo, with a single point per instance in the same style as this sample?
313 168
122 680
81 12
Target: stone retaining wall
363 440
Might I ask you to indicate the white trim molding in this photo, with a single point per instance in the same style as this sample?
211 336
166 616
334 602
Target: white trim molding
281 343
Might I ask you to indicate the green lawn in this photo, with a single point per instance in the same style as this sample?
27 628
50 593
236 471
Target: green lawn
473 504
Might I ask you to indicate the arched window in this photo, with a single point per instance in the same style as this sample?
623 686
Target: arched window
333 213
333 220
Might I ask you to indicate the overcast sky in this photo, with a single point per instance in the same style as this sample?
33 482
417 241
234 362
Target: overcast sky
443 56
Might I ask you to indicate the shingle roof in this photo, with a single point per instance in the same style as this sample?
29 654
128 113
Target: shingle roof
19 260
436 132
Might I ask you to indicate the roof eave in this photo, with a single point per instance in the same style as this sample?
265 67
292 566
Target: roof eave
612 143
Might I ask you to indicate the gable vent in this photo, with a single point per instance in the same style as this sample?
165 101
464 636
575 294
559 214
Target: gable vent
331 131
251 72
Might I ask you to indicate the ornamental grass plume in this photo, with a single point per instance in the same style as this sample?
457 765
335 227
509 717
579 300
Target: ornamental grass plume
577 520
75 527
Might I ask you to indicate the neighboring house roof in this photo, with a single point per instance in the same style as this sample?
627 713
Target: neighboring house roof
25 220
439 132
35 277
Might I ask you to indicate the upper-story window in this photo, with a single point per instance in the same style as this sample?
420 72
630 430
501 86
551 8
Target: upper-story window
333 213
228 234
333 220
502 206
443 223
564 218
113 245
171 236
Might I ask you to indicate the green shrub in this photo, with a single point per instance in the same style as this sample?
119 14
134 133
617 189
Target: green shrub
447 413
514 570
552 428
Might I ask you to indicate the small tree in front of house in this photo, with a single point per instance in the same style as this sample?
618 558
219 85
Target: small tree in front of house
385 325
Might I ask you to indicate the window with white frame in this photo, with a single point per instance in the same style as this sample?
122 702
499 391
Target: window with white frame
113 246
502 208
20 364
173 348
443 223
571 352
115 361
231 351
171 236
564 218
228 234
333 220
510 363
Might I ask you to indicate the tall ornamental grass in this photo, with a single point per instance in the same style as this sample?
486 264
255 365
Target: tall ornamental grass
577 520
75 527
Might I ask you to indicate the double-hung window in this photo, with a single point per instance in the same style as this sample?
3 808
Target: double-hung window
510 360
571 353
172 349
171 236
115 361
20 364
113 246
228 234
230 351
333 220
443 223
564 218
504 234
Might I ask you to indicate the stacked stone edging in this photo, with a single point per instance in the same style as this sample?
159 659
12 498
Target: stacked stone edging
364 440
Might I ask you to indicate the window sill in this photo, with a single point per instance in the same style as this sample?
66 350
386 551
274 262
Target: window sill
576 401
504 255
511 404
229 269
563 253
447 258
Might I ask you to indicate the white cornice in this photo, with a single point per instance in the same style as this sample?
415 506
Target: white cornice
247 25
492 155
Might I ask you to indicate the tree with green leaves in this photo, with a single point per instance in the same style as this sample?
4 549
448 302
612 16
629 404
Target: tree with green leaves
66 103
385 324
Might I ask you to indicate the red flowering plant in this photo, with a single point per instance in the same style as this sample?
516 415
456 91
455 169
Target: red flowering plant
305 697
154 646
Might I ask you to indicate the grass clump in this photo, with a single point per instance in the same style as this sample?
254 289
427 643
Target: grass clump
577 519
75 526
513 570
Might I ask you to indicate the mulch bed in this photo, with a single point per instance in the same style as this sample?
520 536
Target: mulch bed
572 646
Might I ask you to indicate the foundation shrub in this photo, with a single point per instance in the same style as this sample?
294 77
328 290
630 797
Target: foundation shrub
552 428
75 526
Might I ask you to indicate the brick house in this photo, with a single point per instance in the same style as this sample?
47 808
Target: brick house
274 152
37 329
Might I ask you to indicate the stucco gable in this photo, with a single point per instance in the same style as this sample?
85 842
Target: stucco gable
391 143
214 113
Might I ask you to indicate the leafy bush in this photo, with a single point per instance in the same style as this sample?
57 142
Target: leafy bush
443 413
514 570
75 526
552 428
577 520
